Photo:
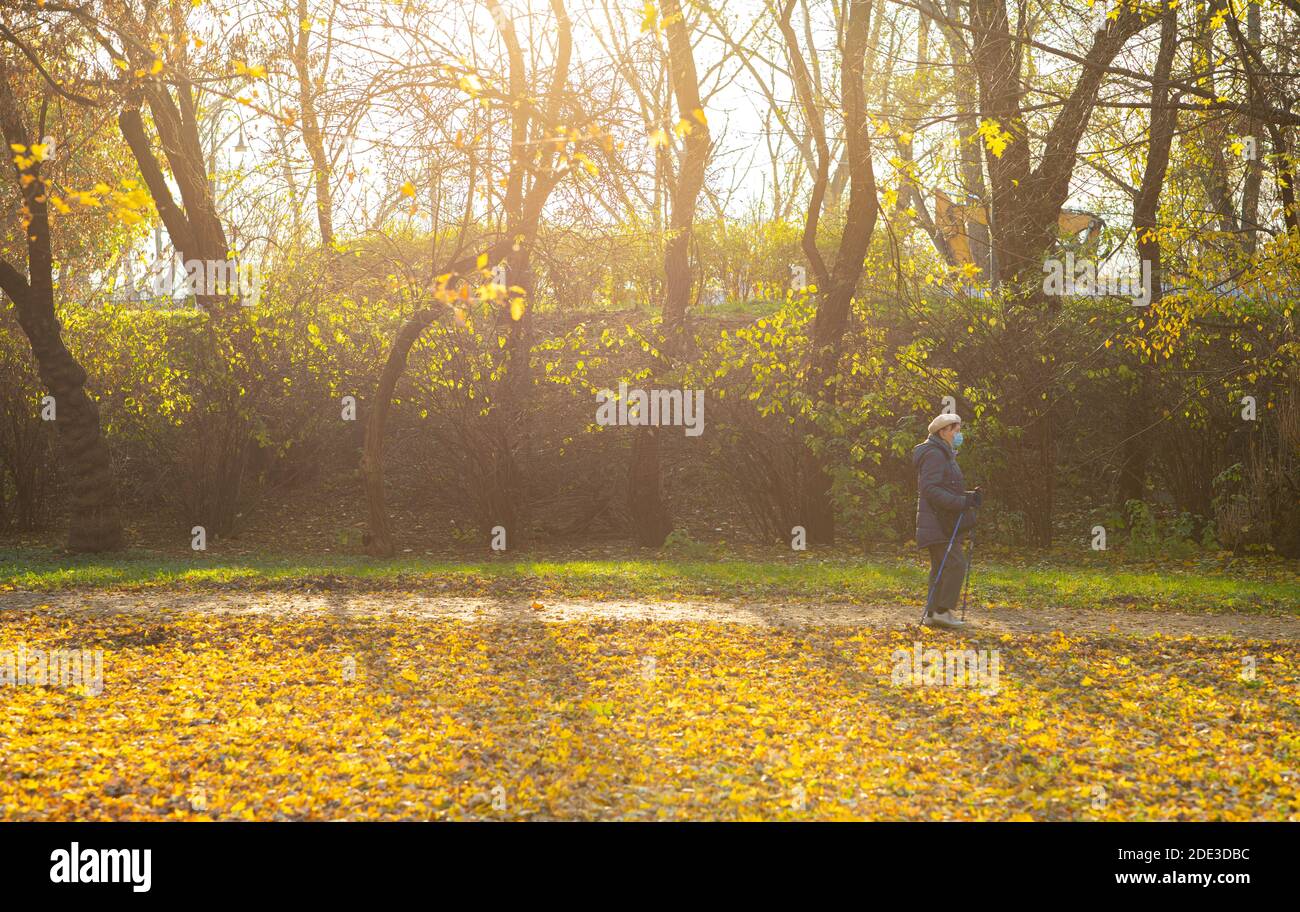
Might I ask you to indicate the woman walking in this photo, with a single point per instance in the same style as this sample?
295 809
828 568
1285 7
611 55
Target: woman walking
941 502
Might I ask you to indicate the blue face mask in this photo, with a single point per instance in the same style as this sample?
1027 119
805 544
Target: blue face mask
957 440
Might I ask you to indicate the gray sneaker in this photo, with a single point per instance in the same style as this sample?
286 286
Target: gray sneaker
944 619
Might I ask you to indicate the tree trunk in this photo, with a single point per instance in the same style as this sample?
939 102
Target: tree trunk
94 521
507 502
311 130
972 170
651 522
1285 176
1136 450
380 543
837 284
1254 164
647 508
193 224
524 209
1024 208
508 431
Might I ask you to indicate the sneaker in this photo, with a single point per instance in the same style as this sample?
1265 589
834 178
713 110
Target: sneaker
944 619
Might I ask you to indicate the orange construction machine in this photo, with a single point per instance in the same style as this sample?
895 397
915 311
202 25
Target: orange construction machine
1077 228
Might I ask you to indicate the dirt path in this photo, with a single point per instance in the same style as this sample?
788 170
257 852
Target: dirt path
505 610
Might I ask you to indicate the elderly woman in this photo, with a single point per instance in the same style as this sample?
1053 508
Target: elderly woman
942 499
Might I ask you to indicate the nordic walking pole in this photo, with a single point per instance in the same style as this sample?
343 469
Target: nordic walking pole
970 555
938 576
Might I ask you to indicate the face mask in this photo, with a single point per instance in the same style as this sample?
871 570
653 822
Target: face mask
957 440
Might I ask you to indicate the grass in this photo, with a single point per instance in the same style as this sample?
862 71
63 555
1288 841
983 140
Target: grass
805 579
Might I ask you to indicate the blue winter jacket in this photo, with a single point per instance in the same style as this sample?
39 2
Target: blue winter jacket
940 492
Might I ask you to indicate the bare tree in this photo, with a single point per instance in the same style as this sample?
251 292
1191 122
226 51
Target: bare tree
837 281
1146 211
534 153
649 513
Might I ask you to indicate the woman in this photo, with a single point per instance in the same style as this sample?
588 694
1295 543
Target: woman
941 499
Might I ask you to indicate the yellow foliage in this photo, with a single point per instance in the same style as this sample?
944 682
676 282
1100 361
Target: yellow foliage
262 716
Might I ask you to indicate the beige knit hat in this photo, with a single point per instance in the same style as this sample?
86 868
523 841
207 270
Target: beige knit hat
942 421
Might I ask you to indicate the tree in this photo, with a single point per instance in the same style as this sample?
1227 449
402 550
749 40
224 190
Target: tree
172 95
836 282
536 148
1025 202
1146 212
650 520
94 521
310 86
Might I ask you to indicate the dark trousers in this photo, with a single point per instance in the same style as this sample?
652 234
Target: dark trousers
948 591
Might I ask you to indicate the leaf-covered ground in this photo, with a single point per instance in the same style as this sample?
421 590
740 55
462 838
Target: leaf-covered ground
330 716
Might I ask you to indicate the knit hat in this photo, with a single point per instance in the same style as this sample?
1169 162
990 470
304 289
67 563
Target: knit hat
942 421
